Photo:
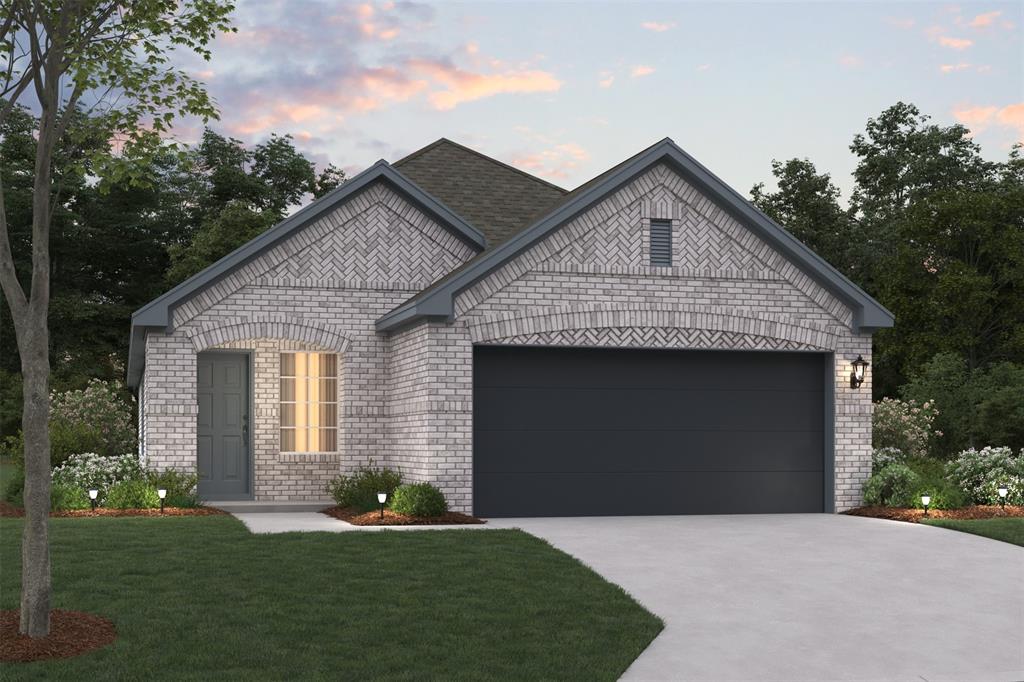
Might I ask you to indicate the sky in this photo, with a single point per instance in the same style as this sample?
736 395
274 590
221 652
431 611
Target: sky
567 90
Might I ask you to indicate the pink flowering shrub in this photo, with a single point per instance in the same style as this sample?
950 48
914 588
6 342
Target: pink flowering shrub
904 425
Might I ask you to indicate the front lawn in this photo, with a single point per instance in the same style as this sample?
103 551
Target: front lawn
202 598
1006 529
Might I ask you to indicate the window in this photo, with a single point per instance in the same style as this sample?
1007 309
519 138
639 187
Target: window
661 243
309 402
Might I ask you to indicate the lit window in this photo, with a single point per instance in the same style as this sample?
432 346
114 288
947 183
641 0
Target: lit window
309 402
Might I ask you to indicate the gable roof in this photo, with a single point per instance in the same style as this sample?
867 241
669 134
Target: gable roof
157 313
492 195
437 300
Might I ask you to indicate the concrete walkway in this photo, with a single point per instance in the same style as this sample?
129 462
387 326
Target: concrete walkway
808 597
291 522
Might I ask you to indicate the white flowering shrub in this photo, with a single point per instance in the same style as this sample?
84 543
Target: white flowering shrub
89 470
979 473
883 457
904 425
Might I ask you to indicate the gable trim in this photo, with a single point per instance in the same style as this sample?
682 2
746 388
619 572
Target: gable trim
156 315
438 300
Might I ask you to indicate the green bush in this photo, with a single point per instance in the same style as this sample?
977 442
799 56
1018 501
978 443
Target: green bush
65 497
180 487
418 499
932 481
904 425
360 489
132 494
15 490
893 486
883 457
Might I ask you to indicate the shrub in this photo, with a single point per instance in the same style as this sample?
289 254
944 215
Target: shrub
14 492
883 457
94 419
89 470
979 473
893 486
64 497
180 487
419 499
360 489
932 481
132 494
904 425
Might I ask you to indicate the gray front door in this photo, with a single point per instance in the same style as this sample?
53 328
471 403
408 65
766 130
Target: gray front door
223 448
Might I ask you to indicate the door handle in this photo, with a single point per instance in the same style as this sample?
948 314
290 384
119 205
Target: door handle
245 431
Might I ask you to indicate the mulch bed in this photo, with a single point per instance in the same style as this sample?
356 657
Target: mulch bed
357 518
72 633
7 509
916 515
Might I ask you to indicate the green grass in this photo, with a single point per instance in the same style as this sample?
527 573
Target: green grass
202 598
1007 529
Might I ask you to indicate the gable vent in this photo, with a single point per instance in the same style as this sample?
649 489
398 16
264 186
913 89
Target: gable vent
661 243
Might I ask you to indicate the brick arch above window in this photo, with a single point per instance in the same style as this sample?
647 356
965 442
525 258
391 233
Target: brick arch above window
225 330
704 327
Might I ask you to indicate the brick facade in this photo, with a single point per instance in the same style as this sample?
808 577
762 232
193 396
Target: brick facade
407 395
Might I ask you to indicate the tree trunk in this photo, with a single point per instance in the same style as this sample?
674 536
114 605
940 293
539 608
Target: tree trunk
33 342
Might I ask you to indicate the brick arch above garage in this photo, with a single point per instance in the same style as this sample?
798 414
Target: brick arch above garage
652 328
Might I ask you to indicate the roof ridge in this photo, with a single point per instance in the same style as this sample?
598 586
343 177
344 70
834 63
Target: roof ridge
445 140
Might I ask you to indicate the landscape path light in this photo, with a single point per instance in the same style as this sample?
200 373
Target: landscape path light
161 493
93 494
1003 492
926 500
382 498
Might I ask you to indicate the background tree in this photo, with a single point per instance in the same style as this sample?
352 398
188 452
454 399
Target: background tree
113 58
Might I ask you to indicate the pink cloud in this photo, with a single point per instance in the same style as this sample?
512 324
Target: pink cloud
641 71
981 117
556 162
606 80
955 43
984 20
465 86
658 27
950 68
851 61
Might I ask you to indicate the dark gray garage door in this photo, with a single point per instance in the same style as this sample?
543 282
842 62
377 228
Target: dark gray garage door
585 432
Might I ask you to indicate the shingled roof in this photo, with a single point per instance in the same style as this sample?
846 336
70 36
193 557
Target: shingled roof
494 197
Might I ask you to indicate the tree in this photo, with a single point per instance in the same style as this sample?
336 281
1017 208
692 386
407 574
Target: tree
68 58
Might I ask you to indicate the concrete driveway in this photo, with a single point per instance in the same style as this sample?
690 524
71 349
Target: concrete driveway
808 597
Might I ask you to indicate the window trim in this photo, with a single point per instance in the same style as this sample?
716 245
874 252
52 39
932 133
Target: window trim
281 376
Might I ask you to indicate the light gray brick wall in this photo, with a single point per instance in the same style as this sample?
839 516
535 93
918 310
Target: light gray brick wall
408 396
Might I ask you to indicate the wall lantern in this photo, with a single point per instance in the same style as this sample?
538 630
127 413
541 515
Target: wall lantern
382 498
161 493
93 494
859 366
926 500
1003 492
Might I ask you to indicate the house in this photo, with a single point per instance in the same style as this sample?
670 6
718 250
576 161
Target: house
648 343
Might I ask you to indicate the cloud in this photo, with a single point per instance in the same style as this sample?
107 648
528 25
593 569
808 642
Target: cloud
658 27
979 118
607 78
556 162
465 86
955 43
703 67
984 20
851 61
641 71
950 68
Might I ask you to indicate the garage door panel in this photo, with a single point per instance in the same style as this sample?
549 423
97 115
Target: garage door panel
527 451
597 494
567 432
643 408
640 368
